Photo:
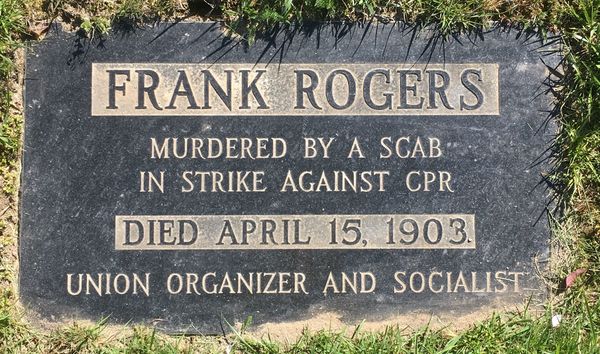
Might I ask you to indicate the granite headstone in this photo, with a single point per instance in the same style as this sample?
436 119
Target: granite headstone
173 175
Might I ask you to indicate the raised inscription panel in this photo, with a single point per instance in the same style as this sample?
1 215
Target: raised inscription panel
176 177
143 232
294 89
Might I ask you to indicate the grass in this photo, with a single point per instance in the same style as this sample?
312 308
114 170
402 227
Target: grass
576 239
508 333
11 26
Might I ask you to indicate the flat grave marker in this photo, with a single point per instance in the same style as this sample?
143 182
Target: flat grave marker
175 177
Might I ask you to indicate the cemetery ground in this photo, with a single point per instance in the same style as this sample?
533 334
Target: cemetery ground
574 276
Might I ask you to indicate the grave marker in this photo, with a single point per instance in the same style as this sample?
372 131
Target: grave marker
174 176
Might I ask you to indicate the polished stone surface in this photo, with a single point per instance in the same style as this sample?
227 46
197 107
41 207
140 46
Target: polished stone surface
81 181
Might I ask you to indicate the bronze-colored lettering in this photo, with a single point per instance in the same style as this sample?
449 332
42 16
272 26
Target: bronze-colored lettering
435 90
405 88
195 89
149 91
330 89
251 88
113 87
183 89
211 81
464 79
101 284
309 90
367 90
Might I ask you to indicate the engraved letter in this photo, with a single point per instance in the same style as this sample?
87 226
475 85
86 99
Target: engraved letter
70 287
193 233
209 79
301 90
147 90
464 79
227 232
182 80
400 282
251 88
351 89
440 90
404 89
112 86
367 90
139 234
163 152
